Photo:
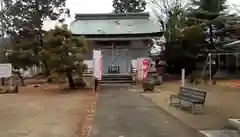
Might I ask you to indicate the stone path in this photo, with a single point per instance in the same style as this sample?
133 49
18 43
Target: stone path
122 113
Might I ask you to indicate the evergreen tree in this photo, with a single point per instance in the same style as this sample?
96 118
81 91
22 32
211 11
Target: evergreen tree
216 6
65 53
207 11
24 18
20 55
123 6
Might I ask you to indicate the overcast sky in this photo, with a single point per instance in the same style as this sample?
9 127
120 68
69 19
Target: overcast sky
95 6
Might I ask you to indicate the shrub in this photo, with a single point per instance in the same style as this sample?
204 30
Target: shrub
194 77
51 79
2 89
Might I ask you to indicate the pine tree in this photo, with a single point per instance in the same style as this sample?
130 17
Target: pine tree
123 6
65 53
28 15
20 55
209 9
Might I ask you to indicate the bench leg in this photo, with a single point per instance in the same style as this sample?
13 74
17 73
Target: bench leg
193 108
201 109
172 102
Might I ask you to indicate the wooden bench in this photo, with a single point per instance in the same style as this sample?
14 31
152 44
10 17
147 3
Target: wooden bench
190 95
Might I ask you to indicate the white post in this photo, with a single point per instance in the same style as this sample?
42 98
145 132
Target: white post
93 73
183 77
210 68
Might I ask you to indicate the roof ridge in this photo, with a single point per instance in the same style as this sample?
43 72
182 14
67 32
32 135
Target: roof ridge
107 16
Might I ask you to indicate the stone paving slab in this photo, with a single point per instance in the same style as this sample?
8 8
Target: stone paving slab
220 133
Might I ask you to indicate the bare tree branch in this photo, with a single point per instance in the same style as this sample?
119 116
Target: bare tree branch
163 8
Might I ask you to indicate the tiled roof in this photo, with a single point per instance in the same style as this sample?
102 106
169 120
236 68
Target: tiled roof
113 24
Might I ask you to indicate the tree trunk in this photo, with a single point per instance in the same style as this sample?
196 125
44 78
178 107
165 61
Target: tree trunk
21 78
46 69
3 82
211 36
70 79
39 15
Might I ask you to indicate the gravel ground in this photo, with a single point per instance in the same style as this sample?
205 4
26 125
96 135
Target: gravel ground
28 114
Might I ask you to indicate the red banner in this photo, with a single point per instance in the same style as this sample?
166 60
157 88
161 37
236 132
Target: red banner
145 67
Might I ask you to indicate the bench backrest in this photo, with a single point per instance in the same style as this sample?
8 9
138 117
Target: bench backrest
193 93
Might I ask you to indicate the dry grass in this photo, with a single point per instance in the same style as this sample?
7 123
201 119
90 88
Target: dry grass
222 102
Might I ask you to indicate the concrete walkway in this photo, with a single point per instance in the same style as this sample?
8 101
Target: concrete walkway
123 113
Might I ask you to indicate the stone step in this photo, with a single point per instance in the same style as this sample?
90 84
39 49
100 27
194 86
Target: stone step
117 78
220 133
115 81
235 123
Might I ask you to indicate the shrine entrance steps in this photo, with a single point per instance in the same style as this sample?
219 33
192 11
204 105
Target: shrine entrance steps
117 79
